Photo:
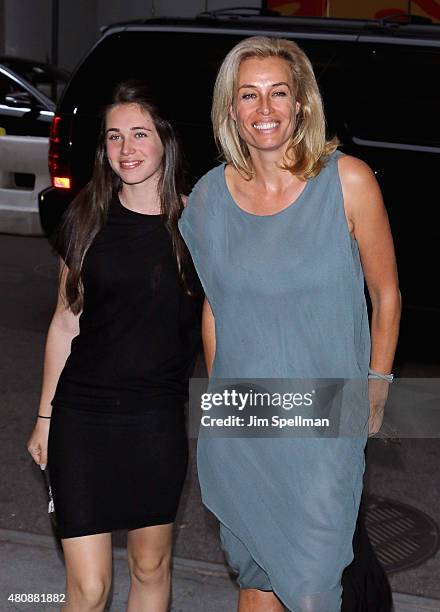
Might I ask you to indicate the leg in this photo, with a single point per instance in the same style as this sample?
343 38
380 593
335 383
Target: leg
255 587
365 584
88 568
252 600
149 557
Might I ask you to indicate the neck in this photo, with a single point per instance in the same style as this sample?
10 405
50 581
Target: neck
268 172
143 197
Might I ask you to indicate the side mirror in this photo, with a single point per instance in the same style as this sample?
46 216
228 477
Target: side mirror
19 98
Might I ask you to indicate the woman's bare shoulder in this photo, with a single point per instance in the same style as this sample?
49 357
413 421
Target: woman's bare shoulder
354 172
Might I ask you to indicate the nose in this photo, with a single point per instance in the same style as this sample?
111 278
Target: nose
265 104
127 147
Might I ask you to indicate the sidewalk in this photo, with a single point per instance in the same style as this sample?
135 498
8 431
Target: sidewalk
32 563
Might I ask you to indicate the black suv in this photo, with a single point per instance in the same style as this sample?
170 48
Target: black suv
378 84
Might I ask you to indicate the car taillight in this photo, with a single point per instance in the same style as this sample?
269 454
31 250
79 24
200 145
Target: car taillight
54 134
62 182
58 168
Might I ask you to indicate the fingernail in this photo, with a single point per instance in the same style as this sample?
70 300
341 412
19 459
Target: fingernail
42 466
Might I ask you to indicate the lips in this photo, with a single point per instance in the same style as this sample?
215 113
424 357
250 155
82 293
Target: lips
267 125
130 165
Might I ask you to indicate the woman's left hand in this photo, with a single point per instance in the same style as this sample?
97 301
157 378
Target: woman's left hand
377 395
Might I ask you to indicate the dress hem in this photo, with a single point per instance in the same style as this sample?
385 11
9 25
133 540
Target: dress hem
84 531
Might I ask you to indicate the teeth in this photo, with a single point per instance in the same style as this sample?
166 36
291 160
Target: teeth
265 126
133 164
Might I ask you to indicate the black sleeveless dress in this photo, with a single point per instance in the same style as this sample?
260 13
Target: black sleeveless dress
117 452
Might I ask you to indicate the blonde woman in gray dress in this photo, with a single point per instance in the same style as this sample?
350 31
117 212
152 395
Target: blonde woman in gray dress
283 235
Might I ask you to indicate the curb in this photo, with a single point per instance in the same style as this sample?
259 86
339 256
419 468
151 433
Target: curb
402 602
25 538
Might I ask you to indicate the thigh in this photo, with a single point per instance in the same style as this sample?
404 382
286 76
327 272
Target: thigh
88 558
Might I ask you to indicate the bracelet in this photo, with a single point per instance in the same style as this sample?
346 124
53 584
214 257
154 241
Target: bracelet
379 376
41 416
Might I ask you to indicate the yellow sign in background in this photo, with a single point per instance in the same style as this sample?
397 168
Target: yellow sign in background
367 9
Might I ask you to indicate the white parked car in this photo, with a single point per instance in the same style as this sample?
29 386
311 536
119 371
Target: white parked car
26 112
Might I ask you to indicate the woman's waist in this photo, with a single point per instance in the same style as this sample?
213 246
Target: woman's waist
114 397
154 418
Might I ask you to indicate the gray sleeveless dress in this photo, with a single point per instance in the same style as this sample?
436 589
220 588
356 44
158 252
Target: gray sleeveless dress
287 294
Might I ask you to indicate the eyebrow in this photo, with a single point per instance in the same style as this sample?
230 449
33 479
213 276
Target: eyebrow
255 86
139 127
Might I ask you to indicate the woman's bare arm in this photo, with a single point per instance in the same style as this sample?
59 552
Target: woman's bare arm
63 328
368 223
208 335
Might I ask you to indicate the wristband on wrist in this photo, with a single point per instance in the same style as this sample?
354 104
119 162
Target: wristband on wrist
379 376
41 416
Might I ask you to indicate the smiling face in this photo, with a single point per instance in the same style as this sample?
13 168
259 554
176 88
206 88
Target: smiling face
264 108
134 149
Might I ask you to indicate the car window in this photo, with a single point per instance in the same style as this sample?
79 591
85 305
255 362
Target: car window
181 68
8 87
49 85
396 95
47 79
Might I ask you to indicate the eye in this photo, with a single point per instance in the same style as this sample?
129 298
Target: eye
141 135
279 93
248 96
113 136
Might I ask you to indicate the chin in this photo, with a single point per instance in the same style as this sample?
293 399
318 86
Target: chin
132 181
128 180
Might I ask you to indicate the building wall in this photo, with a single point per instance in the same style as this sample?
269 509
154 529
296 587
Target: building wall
27 28
27 24
2 26
78 30
110 11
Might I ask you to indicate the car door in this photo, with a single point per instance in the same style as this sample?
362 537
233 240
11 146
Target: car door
22 111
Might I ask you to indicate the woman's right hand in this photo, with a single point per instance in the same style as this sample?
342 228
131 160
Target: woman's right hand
37 443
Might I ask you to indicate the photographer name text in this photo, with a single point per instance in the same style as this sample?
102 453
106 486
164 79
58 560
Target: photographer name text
254 421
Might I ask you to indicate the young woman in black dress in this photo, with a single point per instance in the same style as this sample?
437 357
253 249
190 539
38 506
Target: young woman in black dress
119 352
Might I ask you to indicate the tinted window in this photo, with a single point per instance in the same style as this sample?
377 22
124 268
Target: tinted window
47 79
180 68
8 87
396 94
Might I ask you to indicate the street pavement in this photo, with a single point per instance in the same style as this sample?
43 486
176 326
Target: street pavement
29 561
32 565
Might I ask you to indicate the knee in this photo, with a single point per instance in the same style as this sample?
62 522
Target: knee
255 600
91 592
151 570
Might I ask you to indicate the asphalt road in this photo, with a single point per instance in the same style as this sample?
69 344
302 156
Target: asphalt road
408 472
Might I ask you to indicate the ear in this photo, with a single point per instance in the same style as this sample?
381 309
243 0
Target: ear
297 107
232 113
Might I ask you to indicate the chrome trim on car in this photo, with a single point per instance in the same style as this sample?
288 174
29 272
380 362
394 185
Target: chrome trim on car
363 142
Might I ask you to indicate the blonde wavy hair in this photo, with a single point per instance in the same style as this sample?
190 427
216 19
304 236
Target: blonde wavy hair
308 147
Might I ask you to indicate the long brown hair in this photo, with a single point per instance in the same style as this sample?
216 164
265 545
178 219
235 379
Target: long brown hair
87 213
